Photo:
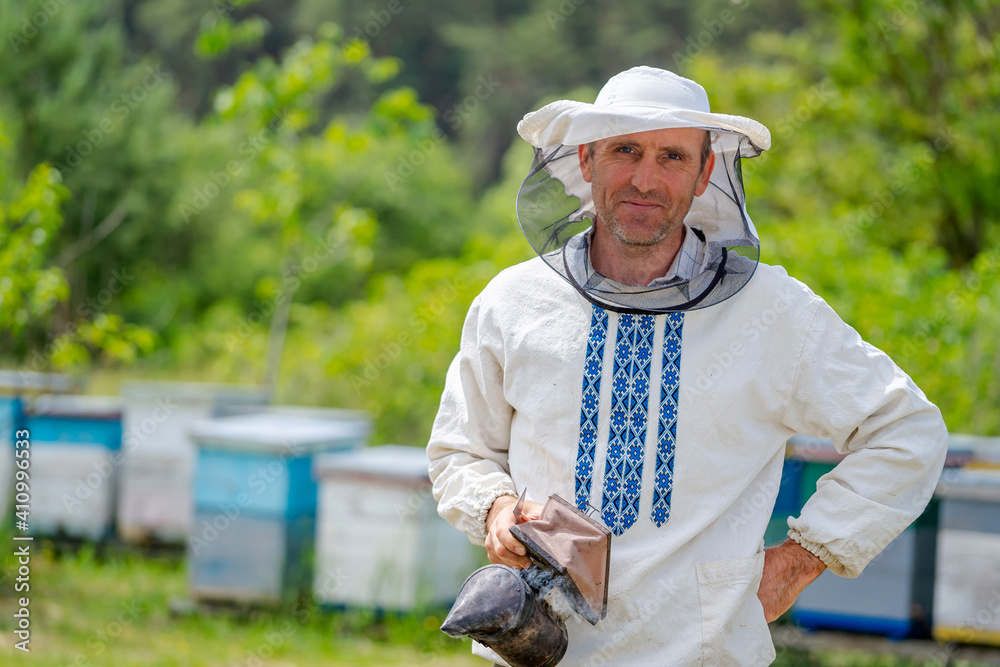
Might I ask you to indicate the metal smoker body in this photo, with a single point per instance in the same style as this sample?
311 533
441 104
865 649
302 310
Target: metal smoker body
505 609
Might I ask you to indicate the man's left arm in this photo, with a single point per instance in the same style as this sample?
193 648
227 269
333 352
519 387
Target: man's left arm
896 441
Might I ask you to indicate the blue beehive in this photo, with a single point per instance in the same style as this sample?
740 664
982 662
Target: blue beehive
255 500
75 454
894 595
15 386
11 416
788 502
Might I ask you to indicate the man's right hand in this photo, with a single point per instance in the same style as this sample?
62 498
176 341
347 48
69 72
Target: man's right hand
501 546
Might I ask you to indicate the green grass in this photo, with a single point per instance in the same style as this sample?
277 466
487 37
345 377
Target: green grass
116 610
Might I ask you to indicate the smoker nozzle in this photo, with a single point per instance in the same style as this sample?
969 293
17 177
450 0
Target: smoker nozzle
498 608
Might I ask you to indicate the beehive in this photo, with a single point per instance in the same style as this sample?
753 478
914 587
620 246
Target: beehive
788 502
967 581
15 388
894 595
380 541
255 500
155 498
11 416
75 456
979 451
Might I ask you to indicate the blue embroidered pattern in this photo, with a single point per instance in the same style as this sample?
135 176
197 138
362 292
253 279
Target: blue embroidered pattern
629 411
667 431
588 409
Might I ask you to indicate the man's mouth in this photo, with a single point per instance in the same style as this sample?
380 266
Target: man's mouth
641 205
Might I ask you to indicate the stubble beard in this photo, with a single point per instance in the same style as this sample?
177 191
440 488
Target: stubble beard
673 218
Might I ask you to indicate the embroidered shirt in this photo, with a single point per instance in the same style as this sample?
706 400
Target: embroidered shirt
551 394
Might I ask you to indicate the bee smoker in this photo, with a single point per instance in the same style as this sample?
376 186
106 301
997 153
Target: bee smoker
507 610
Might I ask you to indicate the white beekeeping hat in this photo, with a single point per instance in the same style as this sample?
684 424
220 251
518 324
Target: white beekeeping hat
556 210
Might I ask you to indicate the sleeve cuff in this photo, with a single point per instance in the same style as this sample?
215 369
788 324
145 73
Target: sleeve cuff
821 552
483 508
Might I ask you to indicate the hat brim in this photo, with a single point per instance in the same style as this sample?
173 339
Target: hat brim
567 122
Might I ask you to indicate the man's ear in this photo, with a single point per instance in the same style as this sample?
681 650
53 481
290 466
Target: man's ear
706 175
585 163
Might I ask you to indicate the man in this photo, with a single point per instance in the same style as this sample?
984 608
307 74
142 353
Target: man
647 367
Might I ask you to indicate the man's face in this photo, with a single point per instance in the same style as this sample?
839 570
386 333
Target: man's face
643 183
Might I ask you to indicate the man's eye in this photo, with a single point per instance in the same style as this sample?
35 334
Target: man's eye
626 149
673 156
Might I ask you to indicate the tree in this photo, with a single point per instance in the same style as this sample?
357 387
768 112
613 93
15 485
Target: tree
878 190
73 99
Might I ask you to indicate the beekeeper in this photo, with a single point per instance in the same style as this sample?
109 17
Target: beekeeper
646 366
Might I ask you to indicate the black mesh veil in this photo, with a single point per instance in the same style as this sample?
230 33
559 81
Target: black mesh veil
556 212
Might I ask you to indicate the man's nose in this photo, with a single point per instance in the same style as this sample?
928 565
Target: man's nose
644 177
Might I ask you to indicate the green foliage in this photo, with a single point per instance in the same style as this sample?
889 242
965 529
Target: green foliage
222 33
352 180
880 197
29 223
70 97
903 93
388 353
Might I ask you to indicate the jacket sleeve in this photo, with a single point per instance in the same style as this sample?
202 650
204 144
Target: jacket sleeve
471 434
896 440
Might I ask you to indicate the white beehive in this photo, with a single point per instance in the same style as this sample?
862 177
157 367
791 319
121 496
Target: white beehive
967 580
155 497
983 451
75 454
15 388
380 542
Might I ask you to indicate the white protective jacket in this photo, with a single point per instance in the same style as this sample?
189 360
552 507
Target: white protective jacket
697 408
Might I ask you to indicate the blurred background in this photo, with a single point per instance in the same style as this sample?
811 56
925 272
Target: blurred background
249 203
